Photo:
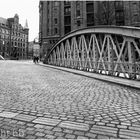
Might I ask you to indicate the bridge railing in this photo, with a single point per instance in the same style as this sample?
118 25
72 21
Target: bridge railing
106 50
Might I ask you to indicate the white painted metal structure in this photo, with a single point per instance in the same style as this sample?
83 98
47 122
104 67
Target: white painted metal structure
106 50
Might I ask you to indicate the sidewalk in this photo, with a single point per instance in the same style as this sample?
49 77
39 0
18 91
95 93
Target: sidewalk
116 80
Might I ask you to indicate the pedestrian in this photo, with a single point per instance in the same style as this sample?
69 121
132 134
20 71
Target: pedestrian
37 58
34 59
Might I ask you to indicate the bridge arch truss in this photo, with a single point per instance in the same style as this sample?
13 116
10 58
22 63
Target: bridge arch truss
106 50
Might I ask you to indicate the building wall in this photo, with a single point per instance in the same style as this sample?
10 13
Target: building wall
14 39
4 40
73 15
132 13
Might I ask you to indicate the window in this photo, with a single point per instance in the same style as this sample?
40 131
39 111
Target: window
55 30
56 3
48 31
67 10
55 20
66 2
67 20
78 23
77 8
119 18
90 19
48 20
67 29
48 11
118 3
90 8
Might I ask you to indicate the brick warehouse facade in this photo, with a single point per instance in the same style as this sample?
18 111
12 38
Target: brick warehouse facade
57 18
13 38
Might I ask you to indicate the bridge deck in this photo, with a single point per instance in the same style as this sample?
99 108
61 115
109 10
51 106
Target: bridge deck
113 79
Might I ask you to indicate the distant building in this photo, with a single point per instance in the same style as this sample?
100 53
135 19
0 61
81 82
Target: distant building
30 50
13 38
34 49
57 18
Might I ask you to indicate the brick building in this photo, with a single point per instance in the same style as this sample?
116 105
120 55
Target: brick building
57 18
13 38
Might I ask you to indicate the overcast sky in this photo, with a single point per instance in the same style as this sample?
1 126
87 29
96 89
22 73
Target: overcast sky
26 9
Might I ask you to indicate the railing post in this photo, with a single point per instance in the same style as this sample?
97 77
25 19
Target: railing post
131 57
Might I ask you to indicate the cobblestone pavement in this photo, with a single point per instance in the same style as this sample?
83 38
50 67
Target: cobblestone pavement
41 102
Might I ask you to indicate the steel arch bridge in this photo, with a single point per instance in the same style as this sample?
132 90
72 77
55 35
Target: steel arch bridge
109 50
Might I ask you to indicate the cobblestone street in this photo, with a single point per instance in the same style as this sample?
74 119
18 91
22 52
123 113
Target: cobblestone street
42 102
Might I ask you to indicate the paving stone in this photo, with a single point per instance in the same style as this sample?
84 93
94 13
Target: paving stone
81 137
23 117
47 121
134 128
1 118
30 132
50 136
100 123
70 136
81 121
71 119
105 121
13 121
30 137
8 114
21 123
129 133
90 122
57 129
126 123
111 125
39 130
136 125
48 127
68 131
62 118
104 130
115 122
39 115
91 135
74 125
30 124
48 132
59 134
39 126
39 134
79 133
102 137
122 126
6 119
30 128
55 117
59 138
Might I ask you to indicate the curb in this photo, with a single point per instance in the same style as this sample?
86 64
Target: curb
116 80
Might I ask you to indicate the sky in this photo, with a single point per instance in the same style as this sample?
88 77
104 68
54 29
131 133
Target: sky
26 9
